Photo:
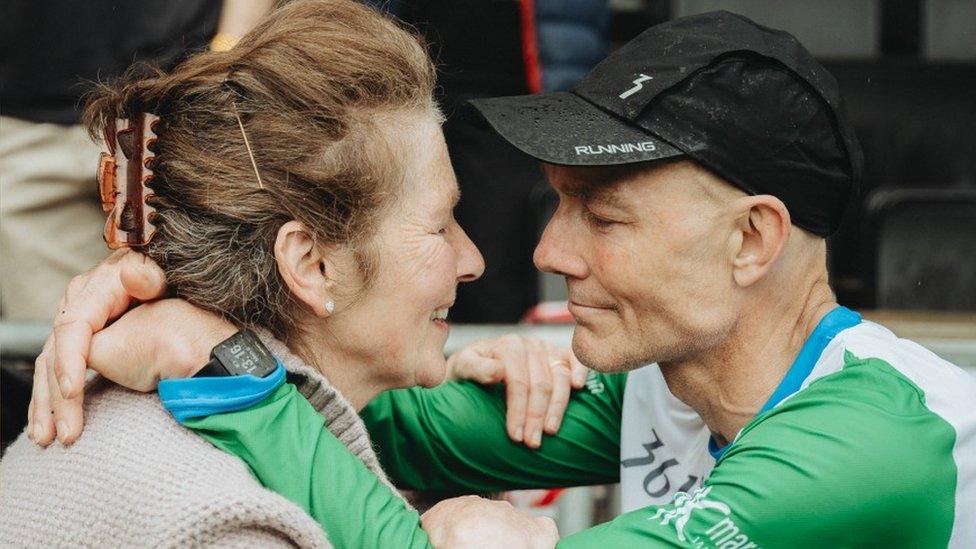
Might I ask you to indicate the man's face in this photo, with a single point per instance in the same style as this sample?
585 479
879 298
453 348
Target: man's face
647 256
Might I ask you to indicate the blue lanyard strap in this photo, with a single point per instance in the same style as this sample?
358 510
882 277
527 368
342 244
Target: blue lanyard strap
829 326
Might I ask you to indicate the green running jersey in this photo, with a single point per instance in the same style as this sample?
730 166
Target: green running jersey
869 441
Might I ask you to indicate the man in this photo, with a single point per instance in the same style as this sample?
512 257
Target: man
699 169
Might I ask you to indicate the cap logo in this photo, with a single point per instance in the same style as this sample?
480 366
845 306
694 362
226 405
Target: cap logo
638 86
644 146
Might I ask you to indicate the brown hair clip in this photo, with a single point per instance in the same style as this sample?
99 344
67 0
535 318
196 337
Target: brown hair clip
129 220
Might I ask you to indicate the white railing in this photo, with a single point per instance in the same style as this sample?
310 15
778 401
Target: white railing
24 340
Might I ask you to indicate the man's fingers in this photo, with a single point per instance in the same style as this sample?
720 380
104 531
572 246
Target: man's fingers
513 355
578 371
90 302
54 399
68 418
65 414
487 371
548 534
540 389
39 369
559 398
72 339
141 277
30 418
483 369
548 525
42 424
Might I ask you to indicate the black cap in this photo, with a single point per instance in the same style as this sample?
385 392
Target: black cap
745 101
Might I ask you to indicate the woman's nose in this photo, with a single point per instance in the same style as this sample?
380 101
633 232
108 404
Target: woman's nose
471 265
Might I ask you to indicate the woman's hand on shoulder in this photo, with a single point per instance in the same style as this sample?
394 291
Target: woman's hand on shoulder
153 341
538 376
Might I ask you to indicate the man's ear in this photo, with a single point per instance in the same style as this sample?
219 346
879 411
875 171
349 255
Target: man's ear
304 267
764 225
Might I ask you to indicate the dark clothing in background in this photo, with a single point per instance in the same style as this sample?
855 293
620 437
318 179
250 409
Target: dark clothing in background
50 52
479 47
571 38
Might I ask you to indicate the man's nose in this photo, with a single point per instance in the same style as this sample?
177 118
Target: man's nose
557 250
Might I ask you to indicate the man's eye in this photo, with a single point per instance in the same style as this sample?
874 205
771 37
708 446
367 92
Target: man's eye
597 221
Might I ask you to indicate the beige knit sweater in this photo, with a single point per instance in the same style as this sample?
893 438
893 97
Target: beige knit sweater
136 478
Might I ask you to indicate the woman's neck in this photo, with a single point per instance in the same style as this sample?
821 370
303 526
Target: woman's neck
352 376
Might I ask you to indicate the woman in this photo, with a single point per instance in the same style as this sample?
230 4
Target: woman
301 188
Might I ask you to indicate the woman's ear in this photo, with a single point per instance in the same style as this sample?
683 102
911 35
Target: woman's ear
304 267
764 225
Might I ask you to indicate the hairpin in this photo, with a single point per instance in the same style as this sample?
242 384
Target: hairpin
124 198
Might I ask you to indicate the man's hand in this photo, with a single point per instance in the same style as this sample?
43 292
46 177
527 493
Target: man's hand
126 352
470 521
538 379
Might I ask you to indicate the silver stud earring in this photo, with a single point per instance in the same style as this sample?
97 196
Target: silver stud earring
330 306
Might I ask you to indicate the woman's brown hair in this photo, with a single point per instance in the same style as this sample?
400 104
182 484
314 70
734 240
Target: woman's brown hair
307 84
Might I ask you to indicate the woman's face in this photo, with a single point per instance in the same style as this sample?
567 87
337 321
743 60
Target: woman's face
397 326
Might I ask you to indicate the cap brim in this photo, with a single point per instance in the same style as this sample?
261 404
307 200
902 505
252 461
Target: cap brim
562 128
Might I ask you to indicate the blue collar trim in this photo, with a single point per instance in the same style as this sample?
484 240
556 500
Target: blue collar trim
192 397
829 326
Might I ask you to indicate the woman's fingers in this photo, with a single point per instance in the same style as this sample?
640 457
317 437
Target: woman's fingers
540 391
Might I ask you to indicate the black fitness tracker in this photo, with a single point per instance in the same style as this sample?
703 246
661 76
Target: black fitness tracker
240 354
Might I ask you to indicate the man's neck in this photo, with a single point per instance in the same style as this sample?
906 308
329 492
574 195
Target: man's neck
728 384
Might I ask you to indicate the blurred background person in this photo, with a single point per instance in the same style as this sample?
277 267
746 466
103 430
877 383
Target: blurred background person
50 55
483 48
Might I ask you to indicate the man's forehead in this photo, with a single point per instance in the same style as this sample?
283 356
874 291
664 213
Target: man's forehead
616 185
608 184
